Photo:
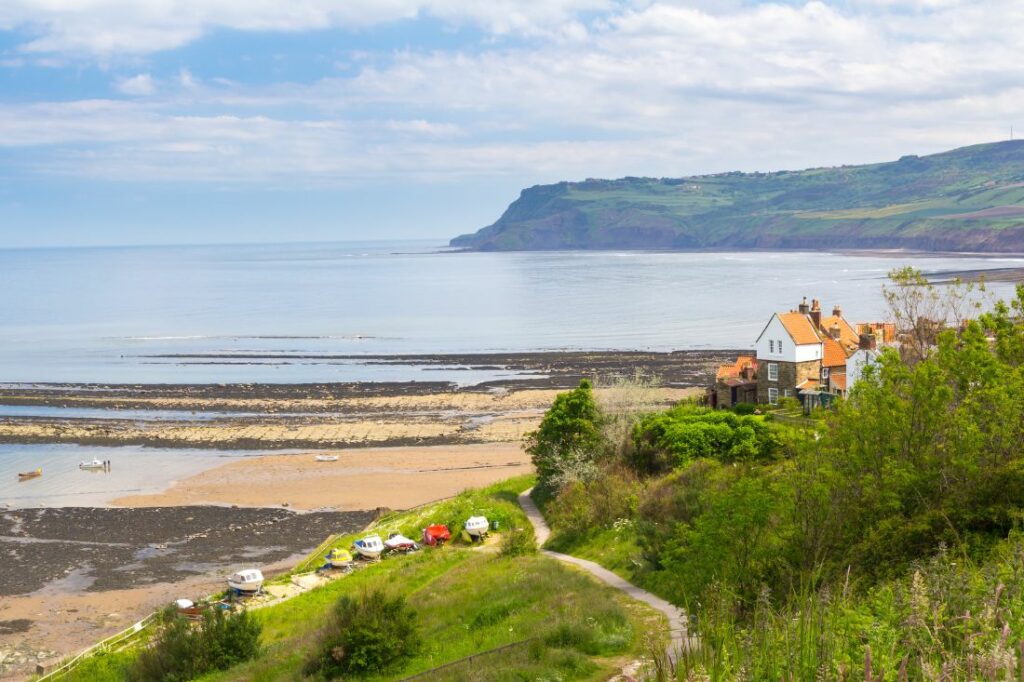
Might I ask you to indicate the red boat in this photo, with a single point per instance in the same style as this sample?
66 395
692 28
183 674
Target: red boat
436 535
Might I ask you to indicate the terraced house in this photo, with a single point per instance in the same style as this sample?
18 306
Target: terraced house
802 354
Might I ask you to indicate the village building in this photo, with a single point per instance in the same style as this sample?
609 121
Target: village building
735 383
802 354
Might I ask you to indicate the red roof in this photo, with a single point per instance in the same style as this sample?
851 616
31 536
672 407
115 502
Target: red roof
800 328
838 381
735 369
834 354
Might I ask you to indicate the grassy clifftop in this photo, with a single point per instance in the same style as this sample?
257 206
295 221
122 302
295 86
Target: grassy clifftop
968 199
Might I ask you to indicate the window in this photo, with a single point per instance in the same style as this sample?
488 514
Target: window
773 395
824 372
773 371
787 393
780 346
771 345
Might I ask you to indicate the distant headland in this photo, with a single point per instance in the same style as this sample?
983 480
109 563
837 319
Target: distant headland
967 199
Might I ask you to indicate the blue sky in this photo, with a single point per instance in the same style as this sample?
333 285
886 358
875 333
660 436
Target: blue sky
185 121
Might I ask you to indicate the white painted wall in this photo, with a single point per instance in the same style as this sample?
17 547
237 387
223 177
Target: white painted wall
767 345
856 363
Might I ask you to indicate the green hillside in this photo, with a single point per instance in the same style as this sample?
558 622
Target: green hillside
968 199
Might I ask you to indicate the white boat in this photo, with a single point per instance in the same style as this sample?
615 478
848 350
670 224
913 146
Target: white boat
94 464
399 543
369 547
477 526
246 580
326 458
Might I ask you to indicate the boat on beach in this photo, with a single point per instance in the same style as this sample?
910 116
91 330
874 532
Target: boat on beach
247 580
25 476
94 464
436 535
369 547
326 458
340 558
397 542
477 526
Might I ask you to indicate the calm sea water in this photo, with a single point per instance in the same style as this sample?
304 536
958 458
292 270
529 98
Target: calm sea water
108 314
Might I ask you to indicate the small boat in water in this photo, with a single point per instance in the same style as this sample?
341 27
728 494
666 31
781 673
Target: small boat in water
397 542
340 558
326 458
477 526
247 580
94 464
436 535
30 474
369 547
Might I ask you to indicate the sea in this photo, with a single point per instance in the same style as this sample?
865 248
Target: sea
295 313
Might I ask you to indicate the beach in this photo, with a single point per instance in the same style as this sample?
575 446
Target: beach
209 478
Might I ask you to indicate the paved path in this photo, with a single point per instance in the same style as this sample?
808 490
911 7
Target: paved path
676 616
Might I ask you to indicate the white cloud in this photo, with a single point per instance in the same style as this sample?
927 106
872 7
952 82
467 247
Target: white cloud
141 84
109 27
655 88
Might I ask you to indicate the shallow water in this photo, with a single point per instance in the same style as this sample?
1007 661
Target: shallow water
134 470
116 314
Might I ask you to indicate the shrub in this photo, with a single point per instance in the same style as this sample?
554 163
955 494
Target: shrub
518 542
371 634
182 652
671 439
744 408
569 440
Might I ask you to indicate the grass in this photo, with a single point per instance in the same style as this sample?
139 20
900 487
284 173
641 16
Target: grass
468 600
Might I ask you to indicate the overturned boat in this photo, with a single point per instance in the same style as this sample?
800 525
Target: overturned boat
436 535
340 558
477 526
94 464
26 475
397 542
369 547
326 458
248 580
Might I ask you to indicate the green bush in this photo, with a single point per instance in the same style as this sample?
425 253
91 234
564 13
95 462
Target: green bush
518 542
371 634
670 439
744 409
183 652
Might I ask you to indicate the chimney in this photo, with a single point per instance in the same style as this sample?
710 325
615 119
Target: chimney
803 306
837 311
816 314
748 372
834 331
867 342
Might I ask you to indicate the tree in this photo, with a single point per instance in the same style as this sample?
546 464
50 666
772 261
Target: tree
371 634
921 310
569 441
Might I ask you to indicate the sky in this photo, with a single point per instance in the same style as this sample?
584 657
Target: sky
221 121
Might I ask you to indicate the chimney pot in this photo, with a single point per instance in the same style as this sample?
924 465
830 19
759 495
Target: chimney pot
816 305
803 306
837 311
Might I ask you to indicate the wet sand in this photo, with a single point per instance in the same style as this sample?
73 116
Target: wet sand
396 478
301 421
75 575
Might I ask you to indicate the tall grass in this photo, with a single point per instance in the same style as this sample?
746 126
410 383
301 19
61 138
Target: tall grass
951 619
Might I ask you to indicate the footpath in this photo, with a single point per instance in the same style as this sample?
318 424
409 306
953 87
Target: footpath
676 616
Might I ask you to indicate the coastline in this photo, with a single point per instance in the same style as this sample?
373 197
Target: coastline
398 445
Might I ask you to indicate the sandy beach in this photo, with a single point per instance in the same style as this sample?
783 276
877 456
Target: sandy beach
362 478
250 490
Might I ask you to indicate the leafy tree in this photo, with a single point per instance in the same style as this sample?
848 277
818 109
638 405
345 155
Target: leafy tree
688 432
568 443
371 634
